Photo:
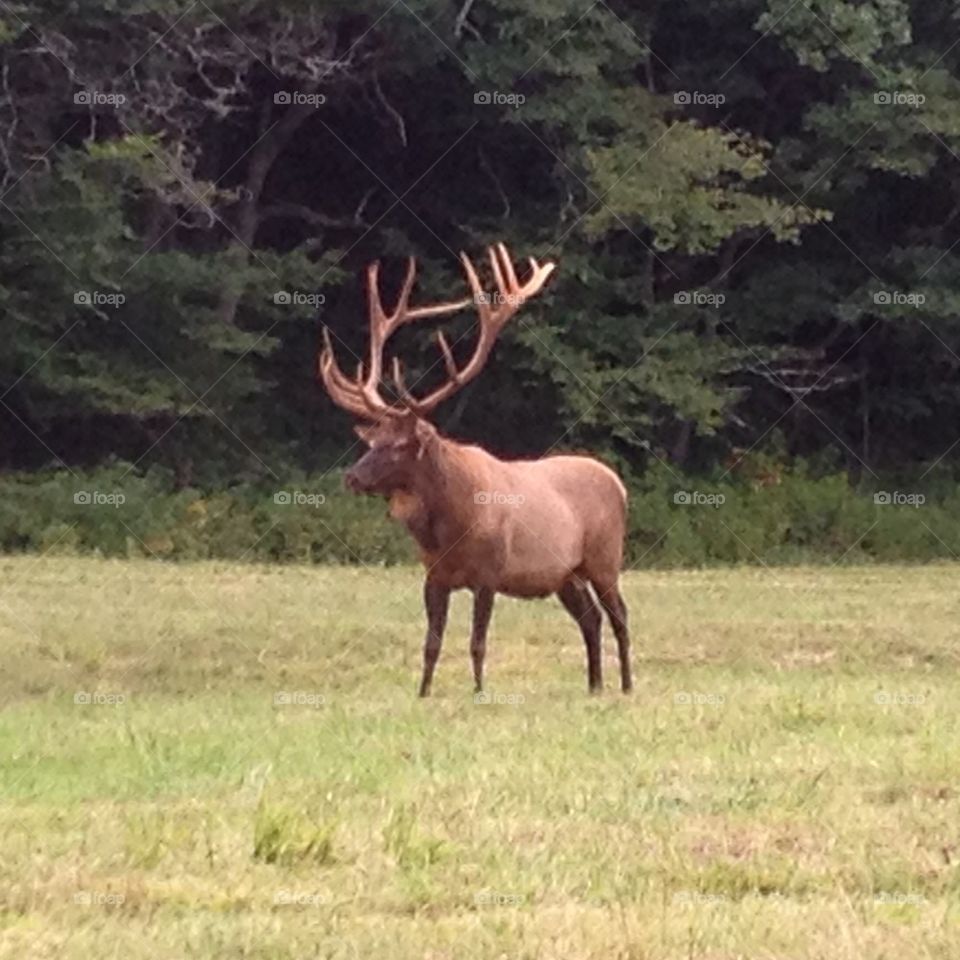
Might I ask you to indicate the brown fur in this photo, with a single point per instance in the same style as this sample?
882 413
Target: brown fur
545 520
524 528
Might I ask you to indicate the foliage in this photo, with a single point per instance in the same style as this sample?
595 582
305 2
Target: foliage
754 207
675 520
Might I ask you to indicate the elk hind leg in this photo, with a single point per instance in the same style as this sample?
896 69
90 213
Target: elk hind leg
576 597
612 601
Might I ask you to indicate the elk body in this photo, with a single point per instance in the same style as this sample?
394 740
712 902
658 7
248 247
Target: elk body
524 528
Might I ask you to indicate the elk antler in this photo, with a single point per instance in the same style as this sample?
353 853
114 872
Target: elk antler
361 397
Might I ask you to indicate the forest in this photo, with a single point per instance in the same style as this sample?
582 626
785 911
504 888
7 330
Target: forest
754 207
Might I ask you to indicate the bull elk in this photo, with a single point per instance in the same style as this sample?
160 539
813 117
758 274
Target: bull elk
524 528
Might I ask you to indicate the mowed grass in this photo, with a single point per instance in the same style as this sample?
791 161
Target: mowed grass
230 761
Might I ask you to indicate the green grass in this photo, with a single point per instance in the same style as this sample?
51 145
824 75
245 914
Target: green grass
254 777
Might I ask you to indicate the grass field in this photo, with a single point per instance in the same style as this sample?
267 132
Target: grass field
229 761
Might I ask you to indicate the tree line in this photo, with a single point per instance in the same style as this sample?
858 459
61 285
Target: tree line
753 204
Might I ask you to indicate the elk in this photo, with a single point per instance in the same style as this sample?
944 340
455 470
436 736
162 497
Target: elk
523 528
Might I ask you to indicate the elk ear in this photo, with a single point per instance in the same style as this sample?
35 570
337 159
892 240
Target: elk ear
366 432
426 436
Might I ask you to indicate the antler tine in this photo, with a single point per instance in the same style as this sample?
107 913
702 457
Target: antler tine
508 266
448 360
361 395
374 303
342 390
479 297
492 318
400 383
378 322
502 289
346 392
383 325
400 311
404 314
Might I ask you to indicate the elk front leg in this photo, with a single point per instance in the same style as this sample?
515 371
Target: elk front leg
482 609
436 598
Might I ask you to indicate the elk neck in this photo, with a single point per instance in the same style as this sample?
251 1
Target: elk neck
437 508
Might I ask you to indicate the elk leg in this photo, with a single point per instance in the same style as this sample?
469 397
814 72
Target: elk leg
575 596
436 598
612 601
482 609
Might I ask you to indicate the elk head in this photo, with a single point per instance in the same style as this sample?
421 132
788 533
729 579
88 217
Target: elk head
398 434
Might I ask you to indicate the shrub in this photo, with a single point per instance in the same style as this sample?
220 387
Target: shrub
674 520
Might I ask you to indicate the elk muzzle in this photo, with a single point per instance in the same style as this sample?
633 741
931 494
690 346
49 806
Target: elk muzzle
360 478
378 471
352 482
